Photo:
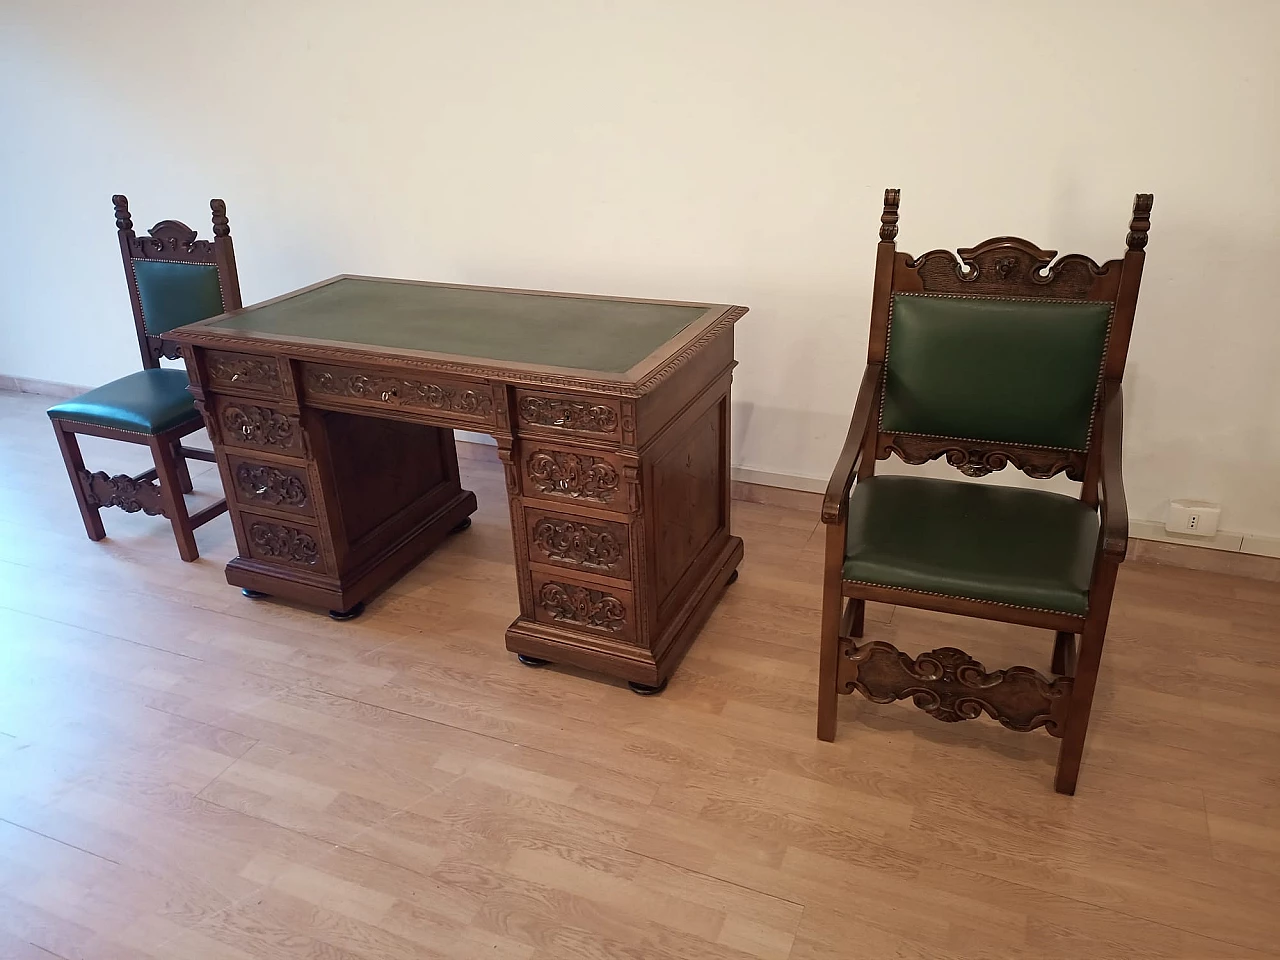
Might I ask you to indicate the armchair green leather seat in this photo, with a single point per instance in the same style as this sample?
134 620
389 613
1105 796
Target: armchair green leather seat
1022 548
149 401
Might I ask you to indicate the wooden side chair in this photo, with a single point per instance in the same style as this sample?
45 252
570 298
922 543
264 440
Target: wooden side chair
173 279
1000 357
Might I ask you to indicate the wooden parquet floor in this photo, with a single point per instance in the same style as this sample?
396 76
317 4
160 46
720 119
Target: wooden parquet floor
188 774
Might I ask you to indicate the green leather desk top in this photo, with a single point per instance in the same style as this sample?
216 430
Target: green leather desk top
525 328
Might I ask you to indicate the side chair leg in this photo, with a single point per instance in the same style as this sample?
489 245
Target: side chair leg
171 494
184 471
70 448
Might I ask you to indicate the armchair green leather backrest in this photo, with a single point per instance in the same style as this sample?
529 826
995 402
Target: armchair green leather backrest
1014 370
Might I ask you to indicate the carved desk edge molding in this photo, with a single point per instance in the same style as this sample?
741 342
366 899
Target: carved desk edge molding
480 369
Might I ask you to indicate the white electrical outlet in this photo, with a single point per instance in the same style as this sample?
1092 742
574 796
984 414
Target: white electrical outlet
1194 518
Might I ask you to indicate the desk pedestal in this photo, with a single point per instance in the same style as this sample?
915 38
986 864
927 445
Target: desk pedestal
342 475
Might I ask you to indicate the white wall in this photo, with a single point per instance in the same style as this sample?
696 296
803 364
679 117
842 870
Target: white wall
728 151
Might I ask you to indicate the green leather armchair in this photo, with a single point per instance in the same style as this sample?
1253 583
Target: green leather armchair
174 279
1003 356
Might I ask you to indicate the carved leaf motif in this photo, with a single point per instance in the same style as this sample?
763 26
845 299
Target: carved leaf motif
259 425
980 461
1007 267
271 485
279 542
950 685
573 475
568 414
122 491
245 371
399 392
591 608
582 543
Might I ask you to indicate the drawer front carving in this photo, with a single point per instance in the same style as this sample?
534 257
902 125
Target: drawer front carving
604 611
276 485
588 416
243 372
283 543
465 401
573 475
597 546
257 427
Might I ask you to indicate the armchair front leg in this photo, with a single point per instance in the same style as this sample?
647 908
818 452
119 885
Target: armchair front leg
1113 540
835 516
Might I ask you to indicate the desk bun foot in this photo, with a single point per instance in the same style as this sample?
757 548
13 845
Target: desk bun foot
644 690
254 594
532 661
461 525
733 578
349 614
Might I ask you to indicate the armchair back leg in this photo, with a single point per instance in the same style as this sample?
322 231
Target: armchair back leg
1086 677
832 601
175 508
851 626
1064 654
70 448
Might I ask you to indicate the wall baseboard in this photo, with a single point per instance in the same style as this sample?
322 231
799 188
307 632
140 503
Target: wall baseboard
1237 554
40 388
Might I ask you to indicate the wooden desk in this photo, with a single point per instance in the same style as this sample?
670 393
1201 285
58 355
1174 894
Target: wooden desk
332 410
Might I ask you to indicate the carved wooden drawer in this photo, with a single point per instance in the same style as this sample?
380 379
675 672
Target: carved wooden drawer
243 373
595 417
575 605
466 402
284 542
255 427
596 546
277 486
584 476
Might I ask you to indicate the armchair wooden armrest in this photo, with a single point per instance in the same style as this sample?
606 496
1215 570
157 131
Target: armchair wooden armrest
836 501
1114 513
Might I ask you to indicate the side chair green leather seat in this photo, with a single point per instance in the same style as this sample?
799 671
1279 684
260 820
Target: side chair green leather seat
174 279
1000 357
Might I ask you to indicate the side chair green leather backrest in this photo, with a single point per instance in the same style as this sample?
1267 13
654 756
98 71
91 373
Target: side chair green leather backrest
174 294
997 370
175 278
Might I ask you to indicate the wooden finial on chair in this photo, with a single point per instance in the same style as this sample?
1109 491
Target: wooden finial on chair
1141 222
889 218
123 220
221 228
